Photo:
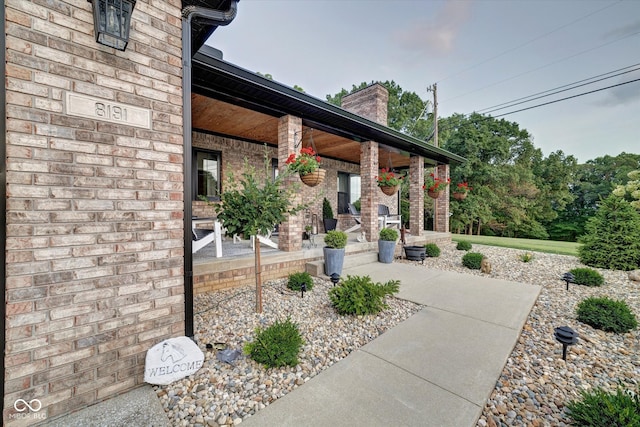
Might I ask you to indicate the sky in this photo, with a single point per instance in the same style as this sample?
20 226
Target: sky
480 53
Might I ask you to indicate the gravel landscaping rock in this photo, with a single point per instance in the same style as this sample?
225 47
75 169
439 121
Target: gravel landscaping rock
532 390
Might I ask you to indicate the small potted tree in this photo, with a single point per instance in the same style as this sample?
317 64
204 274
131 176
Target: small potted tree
335 241
328 220
387 245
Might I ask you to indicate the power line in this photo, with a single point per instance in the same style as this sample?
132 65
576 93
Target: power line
544 66
533 97
528 42
564 99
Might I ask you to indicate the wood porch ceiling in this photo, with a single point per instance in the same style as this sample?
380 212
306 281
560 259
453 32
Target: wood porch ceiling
219 117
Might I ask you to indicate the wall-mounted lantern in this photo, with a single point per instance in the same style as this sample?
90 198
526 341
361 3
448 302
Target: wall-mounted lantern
111 21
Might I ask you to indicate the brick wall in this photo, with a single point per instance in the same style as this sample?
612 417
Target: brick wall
370 102
94 209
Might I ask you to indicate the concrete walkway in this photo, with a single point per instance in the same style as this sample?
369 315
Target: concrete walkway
435 369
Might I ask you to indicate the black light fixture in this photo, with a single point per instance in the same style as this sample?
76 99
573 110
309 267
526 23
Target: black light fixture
568 277
111 21
566 336
335 278
303 289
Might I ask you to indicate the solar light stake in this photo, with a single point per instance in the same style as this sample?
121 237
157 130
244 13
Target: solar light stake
335 278
568 277
422 257
303 288
566 336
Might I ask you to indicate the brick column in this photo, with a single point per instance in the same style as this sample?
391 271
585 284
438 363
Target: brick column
290 233
441 205
416 195
369 189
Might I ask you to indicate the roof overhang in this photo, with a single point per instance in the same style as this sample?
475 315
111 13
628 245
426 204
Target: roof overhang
251 104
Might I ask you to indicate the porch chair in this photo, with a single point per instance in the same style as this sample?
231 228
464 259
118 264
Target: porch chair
388 219
201 238
355 215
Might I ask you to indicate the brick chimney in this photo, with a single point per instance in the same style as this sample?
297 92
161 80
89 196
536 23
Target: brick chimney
370 103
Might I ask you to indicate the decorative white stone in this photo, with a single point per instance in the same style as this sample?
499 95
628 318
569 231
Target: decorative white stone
172 360
634 275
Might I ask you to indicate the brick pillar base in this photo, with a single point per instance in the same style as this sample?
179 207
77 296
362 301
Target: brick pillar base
416 195
441 206
369 189
290 231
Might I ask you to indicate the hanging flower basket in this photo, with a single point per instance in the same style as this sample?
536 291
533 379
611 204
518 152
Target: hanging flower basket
389 190
434 194
313 178
459 196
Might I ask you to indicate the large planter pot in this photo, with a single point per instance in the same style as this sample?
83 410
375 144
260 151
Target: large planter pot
459 196
333 260
389 190
386 251
314 178
434 194
330 224
415 253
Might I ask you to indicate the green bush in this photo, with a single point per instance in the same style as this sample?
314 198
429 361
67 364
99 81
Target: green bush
359 295
389 234
336 239
606 314
587 277
327 210
612 238
599 408
296 280
277 345
432 250
472 260
463 245
526 257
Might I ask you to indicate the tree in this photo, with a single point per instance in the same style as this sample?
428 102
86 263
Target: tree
613 236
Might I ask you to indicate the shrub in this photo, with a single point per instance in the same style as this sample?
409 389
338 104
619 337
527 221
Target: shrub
463 245
587 277
277 345
336 239
327 210
599 408
526 257
606 314
472 260
612 238
388 234
432 250
359 295
296 280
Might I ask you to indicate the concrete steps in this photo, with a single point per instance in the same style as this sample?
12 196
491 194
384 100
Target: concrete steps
316 268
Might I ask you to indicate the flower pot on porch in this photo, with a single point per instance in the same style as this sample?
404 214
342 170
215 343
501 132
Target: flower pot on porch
389 190
415 253
459 196
330 224
333 260
386 250
434 194
314 178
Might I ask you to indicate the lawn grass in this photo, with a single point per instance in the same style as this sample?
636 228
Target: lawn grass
548 246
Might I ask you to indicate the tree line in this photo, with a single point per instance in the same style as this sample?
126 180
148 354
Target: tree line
516 190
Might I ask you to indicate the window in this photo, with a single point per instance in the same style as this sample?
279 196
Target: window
348 190
206 174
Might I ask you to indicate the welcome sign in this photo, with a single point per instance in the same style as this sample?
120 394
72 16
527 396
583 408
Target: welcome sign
171 360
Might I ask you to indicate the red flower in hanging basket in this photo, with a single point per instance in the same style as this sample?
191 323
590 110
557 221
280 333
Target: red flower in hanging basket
434 184
307 162
462 187
388 178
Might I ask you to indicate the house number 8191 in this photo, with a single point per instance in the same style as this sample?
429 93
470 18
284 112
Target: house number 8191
112 112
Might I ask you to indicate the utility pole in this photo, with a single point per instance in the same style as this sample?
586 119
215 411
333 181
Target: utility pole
434 88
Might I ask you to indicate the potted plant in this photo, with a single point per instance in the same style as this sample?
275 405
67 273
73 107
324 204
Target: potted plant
435 186
328 220
335 241
387 245
307 165
389 181
460 191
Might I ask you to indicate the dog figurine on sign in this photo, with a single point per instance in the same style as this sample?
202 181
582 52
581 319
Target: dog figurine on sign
485 266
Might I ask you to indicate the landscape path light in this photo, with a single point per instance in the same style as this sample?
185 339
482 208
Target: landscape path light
566 336
335 278
568 277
